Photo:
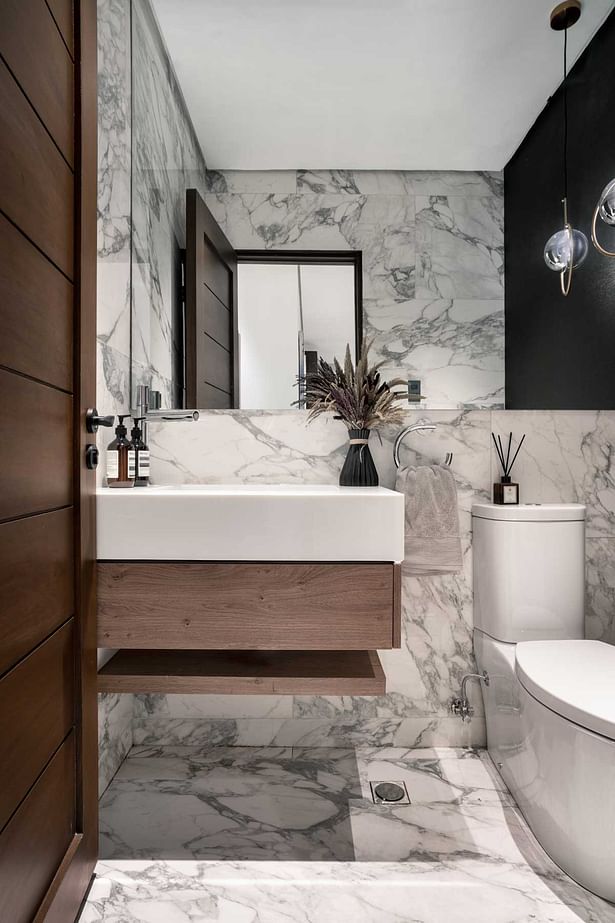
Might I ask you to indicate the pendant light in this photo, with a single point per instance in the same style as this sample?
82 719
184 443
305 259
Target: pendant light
566 249
605 209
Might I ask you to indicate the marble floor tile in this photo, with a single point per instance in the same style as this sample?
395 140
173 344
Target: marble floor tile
289 835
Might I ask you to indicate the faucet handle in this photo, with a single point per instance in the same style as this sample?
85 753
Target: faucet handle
93 420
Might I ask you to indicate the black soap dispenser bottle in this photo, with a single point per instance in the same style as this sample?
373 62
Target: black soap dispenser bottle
141 454
120 458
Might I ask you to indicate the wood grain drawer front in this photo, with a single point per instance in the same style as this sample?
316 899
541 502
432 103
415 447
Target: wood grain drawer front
36 714
245 606
36 581
35 840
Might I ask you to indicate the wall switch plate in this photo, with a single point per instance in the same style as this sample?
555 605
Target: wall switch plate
414 391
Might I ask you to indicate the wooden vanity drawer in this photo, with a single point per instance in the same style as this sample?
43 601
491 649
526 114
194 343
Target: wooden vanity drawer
248 606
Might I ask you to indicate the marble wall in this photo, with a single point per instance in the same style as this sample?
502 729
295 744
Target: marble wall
433 262
113 279
566 457
166 160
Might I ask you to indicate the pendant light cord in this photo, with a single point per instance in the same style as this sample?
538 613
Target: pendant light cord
565 91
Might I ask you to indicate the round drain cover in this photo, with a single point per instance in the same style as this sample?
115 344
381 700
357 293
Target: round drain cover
389 791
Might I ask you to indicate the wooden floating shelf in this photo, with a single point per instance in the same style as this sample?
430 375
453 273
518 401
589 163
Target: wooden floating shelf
244 672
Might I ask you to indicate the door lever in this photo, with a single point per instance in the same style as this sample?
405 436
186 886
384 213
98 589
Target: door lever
93 420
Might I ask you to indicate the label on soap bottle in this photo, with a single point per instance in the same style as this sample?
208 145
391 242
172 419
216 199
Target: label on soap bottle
113 465
143 463
131 464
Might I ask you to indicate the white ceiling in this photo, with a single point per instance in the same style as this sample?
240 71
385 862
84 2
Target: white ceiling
367 84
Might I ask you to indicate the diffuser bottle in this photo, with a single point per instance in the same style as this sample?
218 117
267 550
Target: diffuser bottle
506 491
120 458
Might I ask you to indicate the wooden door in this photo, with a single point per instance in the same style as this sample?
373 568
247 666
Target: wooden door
212 360
48 754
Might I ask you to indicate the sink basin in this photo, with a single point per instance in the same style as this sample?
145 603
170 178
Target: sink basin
239 522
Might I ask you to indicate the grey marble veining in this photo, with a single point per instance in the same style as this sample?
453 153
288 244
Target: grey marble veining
113 207
115 713
567 456
600 589
167 160
436 650
319 849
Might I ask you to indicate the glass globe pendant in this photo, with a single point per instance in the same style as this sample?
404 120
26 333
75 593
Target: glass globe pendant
605 209
565 250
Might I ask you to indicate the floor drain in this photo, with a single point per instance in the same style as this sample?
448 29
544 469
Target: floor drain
389 793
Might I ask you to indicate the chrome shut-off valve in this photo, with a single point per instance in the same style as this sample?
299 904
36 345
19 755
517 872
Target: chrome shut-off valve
461 706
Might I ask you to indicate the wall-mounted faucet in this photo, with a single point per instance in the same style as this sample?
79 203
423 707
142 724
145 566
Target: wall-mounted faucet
147 407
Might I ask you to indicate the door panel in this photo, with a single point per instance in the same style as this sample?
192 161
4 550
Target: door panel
217 276
36 446
43 68
48 757
35 840
41 687
212 361
215 318
62 12
36 183
36 581
37 307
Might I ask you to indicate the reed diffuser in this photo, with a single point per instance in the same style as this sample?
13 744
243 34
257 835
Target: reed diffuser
506 491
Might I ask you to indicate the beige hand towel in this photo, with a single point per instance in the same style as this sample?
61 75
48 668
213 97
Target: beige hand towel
433 545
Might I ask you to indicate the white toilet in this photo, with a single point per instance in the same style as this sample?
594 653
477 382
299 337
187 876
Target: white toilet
550 702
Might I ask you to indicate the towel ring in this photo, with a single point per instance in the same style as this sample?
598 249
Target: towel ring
421 426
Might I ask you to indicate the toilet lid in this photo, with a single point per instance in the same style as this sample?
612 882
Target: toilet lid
576 679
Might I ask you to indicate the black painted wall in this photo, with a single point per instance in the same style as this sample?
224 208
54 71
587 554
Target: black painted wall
560 352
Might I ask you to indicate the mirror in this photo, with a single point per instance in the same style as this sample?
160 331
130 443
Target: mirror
289 315
413 261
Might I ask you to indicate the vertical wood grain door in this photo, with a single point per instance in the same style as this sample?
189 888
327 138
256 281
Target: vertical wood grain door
48 738
212 337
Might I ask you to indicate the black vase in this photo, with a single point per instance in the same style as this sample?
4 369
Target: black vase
359 469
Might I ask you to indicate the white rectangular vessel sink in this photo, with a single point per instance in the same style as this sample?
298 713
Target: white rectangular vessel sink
238 522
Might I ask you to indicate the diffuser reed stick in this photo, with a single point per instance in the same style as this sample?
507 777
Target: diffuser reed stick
505 462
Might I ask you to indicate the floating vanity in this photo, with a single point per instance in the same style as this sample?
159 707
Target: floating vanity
248 589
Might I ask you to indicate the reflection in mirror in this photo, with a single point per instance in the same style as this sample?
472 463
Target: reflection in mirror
290 315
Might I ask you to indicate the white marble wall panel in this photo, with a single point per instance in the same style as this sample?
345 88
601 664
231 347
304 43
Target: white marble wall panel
113 225
422 676
115 716
167 160
568 456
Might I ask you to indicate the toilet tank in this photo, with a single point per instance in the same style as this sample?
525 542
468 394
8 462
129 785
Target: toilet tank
529 570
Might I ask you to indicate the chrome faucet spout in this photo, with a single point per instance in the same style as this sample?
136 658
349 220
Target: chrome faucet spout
171 415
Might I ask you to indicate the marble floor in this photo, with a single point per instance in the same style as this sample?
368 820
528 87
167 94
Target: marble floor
290 835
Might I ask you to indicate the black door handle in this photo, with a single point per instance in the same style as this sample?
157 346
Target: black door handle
93 421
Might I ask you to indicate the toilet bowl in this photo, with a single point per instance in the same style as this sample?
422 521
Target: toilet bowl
550 703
